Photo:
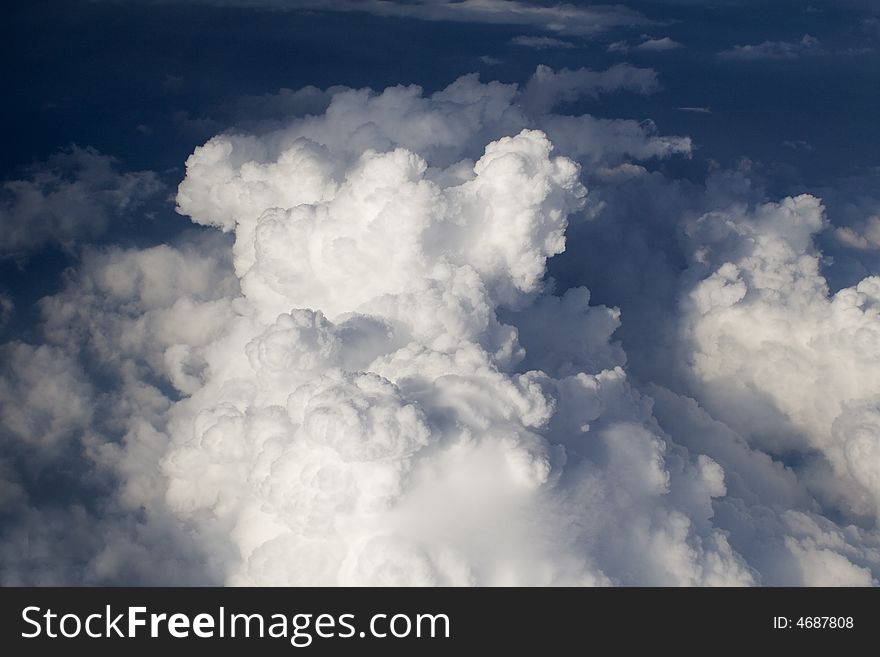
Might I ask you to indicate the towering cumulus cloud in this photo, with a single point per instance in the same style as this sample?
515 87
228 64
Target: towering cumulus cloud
364 417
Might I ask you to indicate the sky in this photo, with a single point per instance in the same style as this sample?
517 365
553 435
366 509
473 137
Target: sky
485 292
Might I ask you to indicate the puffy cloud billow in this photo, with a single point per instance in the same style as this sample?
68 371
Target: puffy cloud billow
362 373
778 357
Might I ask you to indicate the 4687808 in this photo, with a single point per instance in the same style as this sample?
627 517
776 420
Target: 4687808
814 622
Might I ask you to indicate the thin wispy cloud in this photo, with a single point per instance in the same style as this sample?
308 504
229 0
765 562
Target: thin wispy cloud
798 144
648 44
773 50
541 42
562 18
658 45
71 197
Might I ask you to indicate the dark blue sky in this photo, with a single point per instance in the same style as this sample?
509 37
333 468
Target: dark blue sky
92 72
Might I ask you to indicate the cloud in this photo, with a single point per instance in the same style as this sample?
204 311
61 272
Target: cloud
367 411
610 141
773 50
548 88
695 110
424 367
81 419
798 145
765 275
393 354
658 45
377 428
739 394
7 308
648 44
74 195
540 42
562 18
865 238
42 399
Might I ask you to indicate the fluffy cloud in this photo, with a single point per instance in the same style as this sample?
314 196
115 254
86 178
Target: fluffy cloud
379 405
777 356
72 196
360 372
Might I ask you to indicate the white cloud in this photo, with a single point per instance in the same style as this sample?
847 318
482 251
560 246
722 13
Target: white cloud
866 237
548 88
658 45
366 376
596 141
773 49
72 196
369 412
778 357
540 42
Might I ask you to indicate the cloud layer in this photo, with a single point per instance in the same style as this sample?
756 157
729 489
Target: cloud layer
561 18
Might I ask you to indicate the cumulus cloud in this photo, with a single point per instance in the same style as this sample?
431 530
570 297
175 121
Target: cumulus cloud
360 371
369 399
365 465
73 195
768 336
82 415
